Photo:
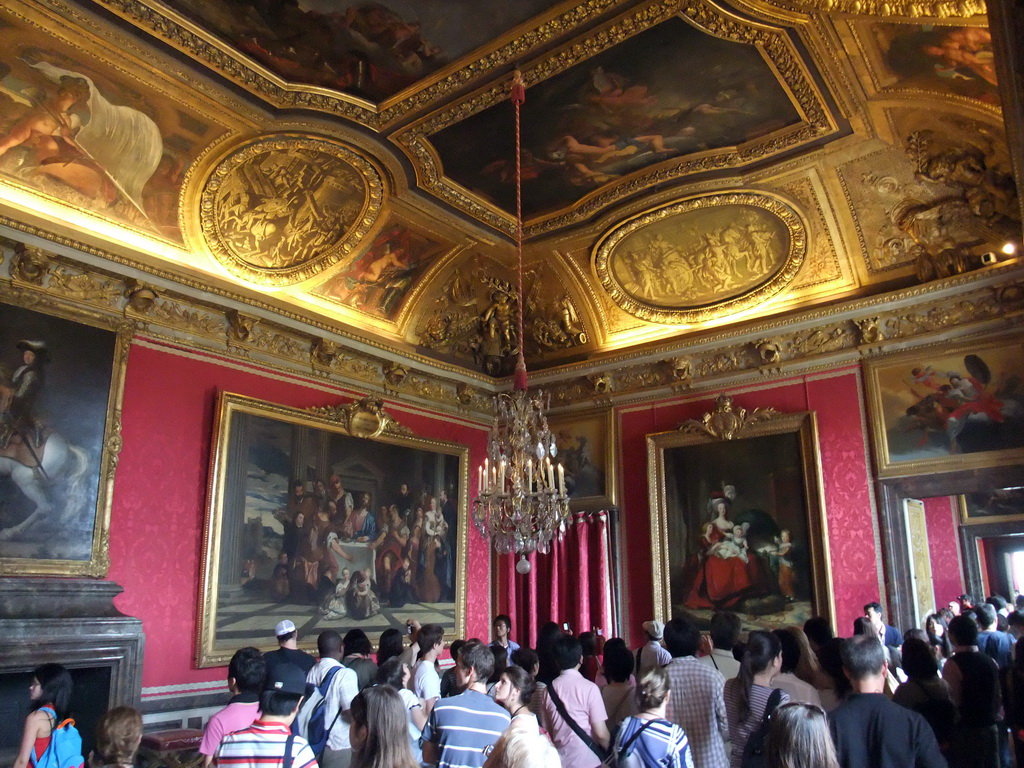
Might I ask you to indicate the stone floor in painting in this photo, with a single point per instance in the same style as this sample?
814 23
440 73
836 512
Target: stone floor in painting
242 621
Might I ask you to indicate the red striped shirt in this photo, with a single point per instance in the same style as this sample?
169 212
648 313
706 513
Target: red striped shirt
261 745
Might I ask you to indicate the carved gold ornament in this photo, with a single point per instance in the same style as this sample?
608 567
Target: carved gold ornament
702 257
727 421
363 418
281 209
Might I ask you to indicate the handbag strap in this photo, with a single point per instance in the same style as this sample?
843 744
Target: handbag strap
584 736
286 761
624 749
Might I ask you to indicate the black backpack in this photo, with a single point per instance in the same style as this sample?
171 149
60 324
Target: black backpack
753 750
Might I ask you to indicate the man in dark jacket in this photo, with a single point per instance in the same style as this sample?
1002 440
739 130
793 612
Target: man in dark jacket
869 730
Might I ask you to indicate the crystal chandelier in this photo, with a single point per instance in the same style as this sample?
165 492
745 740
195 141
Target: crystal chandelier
521 502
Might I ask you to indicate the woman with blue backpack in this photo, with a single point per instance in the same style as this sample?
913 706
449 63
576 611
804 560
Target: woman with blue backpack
50 739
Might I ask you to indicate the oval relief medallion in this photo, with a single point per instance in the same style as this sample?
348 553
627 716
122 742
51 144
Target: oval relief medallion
702 258
281 209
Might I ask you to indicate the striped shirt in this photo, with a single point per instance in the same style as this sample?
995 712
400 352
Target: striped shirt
662 744
741 731
463 726
261 745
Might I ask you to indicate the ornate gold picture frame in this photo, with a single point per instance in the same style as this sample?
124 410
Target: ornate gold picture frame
586 448
737 518
999 505
333 517
61 385
948 407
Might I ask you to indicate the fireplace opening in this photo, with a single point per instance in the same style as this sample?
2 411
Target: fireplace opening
89 700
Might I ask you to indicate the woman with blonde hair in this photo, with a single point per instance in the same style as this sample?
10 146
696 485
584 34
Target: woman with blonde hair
521 748
380 730
647 739
117 739
798 737
807 667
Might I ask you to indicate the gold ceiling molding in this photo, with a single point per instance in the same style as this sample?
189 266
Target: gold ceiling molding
913 9
868 328
788 65
280 209
673 264
47 278
195 41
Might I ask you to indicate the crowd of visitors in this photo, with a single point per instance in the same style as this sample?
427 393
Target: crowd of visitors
950 693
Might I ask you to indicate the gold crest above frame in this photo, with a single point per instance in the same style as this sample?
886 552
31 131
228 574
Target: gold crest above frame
702 257
281 209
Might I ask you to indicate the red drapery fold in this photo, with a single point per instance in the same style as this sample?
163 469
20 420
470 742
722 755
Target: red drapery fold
570 585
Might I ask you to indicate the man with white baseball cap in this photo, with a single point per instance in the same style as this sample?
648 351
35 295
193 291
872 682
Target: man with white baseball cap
652 653
288 651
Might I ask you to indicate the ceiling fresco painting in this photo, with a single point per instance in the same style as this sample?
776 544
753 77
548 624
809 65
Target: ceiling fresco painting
701 258
622 111
81 132
380 279
690 169
367 49
953 60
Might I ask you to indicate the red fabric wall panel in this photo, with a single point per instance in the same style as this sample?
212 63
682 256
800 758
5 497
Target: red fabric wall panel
160 495
944 548
845 475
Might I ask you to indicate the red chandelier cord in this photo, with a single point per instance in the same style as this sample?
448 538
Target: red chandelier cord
518 97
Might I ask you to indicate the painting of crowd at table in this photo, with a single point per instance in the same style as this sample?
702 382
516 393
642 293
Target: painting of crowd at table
336 529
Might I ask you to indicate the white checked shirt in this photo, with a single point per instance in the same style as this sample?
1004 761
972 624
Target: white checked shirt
344 688
697 705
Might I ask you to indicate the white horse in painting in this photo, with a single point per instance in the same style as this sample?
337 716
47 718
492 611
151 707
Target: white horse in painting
63 466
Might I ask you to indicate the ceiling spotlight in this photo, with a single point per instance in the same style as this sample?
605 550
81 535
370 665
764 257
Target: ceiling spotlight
1009 248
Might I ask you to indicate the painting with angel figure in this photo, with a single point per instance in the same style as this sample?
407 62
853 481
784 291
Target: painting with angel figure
950 407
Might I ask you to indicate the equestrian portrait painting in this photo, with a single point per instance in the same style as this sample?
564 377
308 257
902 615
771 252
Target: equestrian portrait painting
60 383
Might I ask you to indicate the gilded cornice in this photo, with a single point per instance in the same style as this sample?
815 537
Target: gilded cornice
249 335
961 306
908 9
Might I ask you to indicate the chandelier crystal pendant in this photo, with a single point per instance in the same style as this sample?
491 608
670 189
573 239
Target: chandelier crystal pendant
521 503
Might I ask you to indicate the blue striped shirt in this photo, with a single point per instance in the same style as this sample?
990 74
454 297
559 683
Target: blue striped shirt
463 726
662 744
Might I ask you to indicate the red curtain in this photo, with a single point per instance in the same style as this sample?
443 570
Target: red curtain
571 584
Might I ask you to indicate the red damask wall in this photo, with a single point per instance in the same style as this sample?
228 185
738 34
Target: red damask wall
160 491
940 516
837 399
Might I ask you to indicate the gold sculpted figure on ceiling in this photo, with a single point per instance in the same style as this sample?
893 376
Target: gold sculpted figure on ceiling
280 211
475 319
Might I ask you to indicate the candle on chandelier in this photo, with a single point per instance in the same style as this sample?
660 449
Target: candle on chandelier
487 474
561 479
529 476
501 476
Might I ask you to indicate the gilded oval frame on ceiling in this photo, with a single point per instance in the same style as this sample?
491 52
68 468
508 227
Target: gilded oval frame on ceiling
270 208
763 210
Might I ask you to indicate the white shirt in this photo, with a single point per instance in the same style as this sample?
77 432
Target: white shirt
344 688
425 681
723 661
654 654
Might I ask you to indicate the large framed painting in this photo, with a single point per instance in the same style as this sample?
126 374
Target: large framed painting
948 407
333 518
585 441
737 518
999 505
61 383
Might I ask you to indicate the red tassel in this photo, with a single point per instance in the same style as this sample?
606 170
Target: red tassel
518 88
519 381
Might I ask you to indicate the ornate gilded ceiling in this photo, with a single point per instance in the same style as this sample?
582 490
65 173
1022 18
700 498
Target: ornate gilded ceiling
687 165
